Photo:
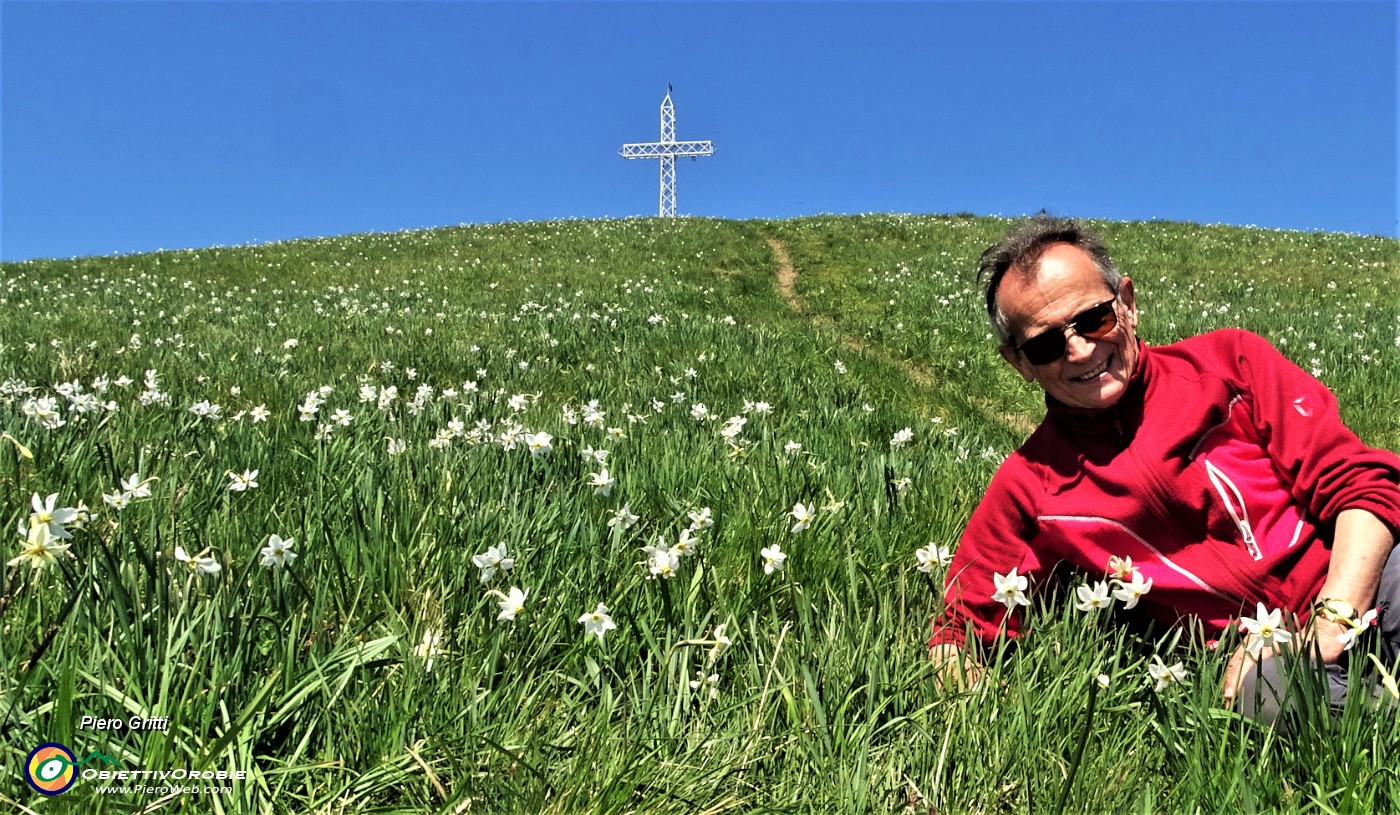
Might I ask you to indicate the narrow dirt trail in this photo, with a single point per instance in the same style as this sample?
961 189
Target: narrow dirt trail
787 289
787 277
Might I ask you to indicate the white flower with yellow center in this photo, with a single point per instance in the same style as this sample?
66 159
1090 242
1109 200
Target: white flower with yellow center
597 622
39 549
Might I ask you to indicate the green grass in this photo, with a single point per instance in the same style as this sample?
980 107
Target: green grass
308 679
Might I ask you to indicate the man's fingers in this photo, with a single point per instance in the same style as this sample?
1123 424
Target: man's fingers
1232 671
1240 663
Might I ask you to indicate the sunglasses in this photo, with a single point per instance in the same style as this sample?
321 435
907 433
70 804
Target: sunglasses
1092 323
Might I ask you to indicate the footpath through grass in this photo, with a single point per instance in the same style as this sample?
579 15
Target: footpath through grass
623 413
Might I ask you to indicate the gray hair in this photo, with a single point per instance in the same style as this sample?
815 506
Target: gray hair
1022 248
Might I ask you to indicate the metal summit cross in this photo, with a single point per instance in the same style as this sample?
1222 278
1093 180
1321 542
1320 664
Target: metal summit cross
667 150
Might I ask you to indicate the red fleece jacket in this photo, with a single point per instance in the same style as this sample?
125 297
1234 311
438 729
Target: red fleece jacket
1219 472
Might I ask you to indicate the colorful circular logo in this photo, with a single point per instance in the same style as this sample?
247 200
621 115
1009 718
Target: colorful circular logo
50 768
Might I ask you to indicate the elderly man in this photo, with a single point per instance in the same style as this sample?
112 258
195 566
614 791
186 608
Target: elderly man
1201 479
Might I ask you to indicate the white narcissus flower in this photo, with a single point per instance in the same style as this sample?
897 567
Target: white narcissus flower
278 552
773 558
804 515
1132 591
720 642
495 557
700 519
539 443
135 487
597 622
1266 629
1120 567
933 555
54 517
733 426
205 410
902 438
662 561
1348 637
1011 589
601 482
428 649
40 548
512 603
1093 599
242 483
623 518
1165 675
685 544
201 563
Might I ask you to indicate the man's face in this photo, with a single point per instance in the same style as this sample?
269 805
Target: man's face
1092 373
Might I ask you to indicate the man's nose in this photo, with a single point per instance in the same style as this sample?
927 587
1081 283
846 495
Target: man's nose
1077 348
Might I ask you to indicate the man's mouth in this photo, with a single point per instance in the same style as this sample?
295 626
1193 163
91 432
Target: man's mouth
1089 376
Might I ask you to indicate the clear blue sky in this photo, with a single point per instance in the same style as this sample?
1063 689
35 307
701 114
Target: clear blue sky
136 126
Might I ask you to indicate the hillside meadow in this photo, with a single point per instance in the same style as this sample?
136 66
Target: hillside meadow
606 516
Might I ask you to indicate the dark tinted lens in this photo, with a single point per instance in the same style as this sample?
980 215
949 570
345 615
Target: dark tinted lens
1045 347
1096 322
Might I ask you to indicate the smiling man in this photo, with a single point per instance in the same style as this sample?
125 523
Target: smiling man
1206 480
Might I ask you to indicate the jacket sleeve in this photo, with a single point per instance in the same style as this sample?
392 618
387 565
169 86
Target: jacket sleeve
995 541
1327 467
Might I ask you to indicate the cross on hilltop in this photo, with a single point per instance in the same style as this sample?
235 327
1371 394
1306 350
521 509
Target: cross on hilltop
667 150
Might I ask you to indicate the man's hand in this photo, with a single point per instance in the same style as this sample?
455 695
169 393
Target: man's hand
955 669
1319 639
1360 546
1241 663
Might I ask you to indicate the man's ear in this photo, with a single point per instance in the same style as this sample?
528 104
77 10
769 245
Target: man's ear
1017 361
1125 294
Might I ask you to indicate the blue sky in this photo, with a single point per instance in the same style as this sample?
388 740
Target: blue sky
137 126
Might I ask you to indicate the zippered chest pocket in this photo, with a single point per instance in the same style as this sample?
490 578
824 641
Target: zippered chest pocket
1246 489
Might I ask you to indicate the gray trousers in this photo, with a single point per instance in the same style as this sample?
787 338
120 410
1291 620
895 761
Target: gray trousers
1265 694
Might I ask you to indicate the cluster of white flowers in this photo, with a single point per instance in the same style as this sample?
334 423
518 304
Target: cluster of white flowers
153 395
1126 584
205 410
44 410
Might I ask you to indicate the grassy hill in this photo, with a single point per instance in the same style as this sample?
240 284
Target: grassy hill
405 379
